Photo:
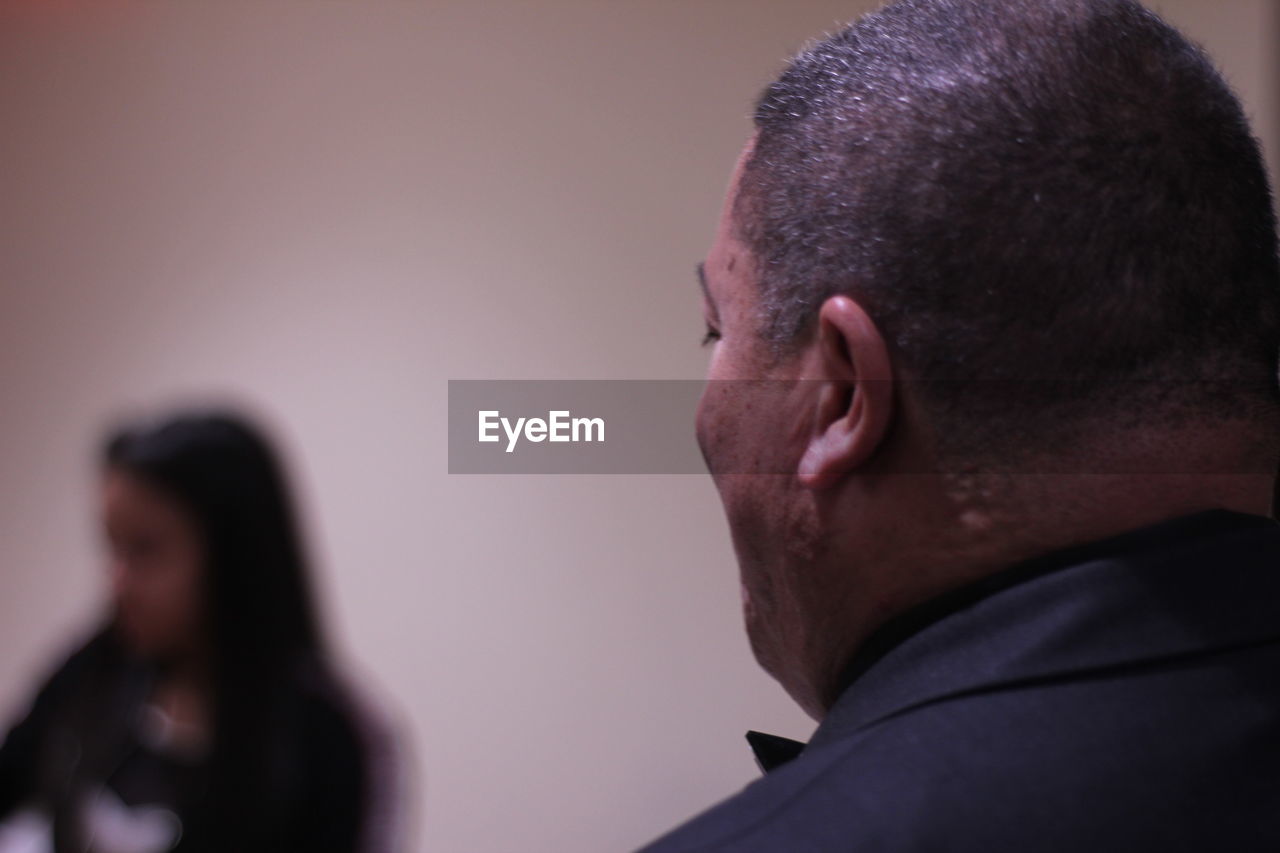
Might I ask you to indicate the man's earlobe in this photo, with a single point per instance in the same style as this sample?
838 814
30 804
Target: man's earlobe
855 398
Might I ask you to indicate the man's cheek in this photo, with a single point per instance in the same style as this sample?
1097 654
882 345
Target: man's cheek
702 430
714 428
747 511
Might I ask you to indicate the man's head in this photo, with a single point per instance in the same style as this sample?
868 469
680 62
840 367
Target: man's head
995 235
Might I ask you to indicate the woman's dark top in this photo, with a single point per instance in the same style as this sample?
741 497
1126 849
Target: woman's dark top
88 755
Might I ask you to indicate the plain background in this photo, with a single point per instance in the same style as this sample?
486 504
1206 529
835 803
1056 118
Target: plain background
325 210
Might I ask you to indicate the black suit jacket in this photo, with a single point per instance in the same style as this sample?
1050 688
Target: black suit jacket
1123 696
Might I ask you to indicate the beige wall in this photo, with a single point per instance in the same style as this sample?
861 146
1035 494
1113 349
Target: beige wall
329 209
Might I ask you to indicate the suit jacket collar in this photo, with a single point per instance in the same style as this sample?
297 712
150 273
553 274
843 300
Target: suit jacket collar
1181 587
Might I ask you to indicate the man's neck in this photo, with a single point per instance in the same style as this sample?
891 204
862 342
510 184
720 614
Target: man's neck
950 531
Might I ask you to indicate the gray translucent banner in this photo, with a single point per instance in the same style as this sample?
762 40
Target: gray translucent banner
583 426
608 426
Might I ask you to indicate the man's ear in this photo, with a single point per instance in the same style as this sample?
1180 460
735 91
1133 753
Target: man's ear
855 397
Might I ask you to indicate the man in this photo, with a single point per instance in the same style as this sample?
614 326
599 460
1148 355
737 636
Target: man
1009 270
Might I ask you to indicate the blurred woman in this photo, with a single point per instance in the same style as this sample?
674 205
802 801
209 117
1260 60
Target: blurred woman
204 716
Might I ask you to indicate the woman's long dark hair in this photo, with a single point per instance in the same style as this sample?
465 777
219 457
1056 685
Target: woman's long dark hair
259 611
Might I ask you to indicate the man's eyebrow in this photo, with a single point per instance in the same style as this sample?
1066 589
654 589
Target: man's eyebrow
702 280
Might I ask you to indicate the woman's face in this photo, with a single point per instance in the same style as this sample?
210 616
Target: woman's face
157 568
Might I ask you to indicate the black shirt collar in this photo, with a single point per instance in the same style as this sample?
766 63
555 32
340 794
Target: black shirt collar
772 751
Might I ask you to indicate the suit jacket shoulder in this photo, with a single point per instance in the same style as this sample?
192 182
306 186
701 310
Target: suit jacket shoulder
1116 697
